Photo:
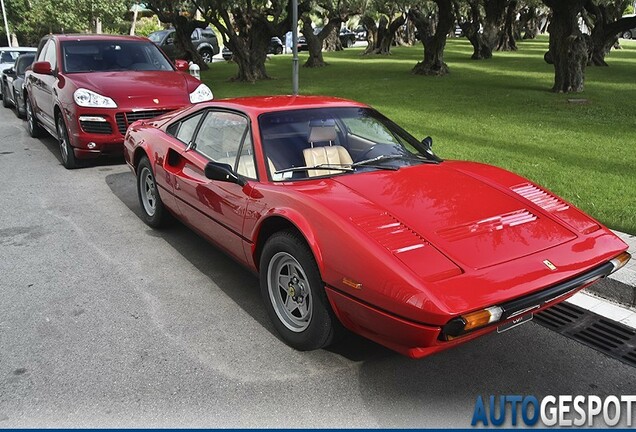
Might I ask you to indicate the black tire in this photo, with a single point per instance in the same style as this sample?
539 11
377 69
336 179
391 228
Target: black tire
278 50
34 128
207 55
66 149
5 102
349 43
286 256
627 35
153 212
18 108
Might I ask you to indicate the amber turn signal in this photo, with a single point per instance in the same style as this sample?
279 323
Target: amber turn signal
620 261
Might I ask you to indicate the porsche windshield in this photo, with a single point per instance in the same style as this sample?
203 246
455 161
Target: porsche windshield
326 141
108 55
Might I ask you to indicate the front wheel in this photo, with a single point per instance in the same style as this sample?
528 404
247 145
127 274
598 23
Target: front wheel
294 294
5 100
35 130
153 212
18 107
66 149
627 35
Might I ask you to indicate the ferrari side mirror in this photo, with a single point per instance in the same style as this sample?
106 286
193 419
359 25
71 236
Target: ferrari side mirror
223 172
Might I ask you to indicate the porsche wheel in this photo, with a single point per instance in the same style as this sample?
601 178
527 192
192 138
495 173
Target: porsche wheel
293 293
66 149
17 106
153 212
35 130
5 100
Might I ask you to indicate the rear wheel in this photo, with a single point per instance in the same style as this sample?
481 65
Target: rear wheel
627 35
66 149
278 50
35 130
153 212
349 43
207 55
294 294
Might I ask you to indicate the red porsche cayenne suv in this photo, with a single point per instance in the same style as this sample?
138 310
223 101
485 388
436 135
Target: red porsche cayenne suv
86 89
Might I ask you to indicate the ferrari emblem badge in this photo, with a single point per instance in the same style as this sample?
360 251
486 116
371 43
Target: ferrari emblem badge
156 101
549 265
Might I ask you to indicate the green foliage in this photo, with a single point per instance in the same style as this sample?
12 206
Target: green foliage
499 112
147 25
629 10
32 19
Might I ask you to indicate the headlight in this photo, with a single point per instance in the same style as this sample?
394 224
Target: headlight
201 94
90 99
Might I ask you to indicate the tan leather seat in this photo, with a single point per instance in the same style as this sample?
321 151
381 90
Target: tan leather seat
245 167
331 154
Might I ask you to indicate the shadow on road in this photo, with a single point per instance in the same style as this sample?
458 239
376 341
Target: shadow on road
234 280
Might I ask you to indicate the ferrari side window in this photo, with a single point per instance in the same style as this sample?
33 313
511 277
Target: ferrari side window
225 137
187 127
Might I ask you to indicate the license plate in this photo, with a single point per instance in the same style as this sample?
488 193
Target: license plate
515 322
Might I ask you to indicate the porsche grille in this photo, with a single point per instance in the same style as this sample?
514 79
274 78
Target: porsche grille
124 119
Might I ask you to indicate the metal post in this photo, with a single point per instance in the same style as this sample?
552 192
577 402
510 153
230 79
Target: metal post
6 25
295 47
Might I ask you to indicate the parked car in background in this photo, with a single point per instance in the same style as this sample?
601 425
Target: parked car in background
12 84
361 33
351 221
275 47
347 37
631 33
204 40
8 55
86 89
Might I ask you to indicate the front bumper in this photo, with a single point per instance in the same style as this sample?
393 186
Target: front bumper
418 340
96 132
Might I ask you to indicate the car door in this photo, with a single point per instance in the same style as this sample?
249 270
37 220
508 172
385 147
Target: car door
43 90
168 46
217 209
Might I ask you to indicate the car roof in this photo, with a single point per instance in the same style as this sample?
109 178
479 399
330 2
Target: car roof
262 104
19 49
106 37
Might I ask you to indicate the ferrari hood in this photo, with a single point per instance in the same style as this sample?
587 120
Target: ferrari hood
471 221
139 88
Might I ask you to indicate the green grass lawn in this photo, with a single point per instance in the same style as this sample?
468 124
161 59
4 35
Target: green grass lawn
498 111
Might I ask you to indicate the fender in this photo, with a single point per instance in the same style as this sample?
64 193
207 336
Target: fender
299 222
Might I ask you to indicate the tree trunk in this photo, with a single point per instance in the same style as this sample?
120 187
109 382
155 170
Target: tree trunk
530 23
380 38
607 25
494 21
481 50
315 41
568 48
434 44
332 41
506 39
250 59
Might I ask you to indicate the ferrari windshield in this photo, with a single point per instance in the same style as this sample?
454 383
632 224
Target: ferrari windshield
327 141
108 55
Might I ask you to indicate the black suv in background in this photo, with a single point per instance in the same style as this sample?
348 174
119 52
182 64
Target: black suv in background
204 40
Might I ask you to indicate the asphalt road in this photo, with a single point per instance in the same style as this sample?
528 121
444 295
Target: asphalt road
105 322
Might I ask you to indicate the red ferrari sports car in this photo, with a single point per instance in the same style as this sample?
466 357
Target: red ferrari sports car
350 221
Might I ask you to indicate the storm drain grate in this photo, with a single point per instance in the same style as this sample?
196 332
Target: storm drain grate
609 337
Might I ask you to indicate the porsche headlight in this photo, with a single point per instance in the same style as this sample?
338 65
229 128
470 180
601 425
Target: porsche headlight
201 94
90 99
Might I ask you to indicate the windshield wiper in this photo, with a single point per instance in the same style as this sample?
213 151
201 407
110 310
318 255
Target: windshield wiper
325 167
370 162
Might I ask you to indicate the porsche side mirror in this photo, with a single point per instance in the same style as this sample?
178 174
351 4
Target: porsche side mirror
42 67
170 41
181 65
223 172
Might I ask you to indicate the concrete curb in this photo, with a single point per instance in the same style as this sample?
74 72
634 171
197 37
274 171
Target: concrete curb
620 287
